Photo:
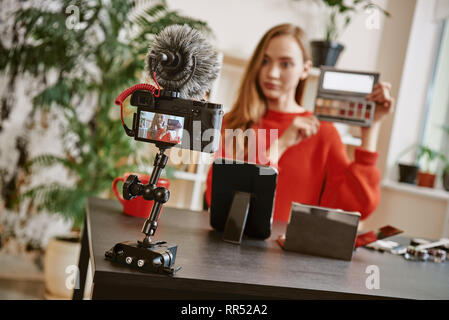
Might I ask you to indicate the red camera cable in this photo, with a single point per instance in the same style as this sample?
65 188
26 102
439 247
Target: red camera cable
142 86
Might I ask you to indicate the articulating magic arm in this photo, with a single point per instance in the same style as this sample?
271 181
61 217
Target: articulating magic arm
133 188
158 256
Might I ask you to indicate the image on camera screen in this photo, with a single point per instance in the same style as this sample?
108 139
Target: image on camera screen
160 127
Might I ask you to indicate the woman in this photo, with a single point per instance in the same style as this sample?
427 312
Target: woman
158 127
310 157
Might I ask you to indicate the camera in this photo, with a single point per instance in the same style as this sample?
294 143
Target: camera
186 66
169 120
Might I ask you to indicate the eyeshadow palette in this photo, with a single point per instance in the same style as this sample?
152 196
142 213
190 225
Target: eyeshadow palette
341 96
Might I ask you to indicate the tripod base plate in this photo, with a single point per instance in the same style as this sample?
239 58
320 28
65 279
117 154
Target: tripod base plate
158 258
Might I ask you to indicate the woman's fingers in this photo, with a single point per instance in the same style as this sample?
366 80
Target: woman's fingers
384 85
381 95
301 121
378 98
300 129
308 126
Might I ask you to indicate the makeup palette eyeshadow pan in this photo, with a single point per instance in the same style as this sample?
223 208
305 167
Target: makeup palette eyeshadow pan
341 96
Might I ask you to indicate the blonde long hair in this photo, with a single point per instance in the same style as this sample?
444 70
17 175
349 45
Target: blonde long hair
158 119
250 104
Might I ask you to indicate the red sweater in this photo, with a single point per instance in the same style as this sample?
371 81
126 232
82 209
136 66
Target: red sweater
318 166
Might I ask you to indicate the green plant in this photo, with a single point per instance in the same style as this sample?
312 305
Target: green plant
429 155
341 13
95 56
440 155
406 151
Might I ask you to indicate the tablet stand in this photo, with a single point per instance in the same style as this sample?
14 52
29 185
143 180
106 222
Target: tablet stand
236 221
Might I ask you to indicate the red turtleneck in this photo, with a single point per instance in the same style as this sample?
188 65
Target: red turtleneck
317 171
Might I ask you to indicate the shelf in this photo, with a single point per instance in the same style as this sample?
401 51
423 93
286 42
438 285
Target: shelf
234 60
414 189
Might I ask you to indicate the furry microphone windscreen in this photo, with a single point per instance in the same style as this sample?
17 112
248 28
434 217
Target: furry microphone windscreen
186 43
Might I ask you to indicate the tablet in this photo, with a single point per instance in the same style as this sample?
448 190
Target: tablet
230 177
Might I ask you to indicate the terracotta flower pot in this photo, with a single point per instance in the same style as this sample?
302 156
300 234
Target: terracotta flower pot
426 179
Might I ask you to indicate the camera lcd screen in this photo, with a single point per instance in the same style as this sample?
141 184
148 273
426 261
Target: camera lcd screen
348 82
160 127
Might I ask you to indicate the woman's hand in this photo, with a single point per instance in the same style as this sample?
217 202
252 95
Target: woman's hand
301 128
381 95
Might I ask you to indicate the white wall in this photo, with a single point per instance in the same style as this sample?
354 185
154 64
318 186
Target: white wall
418 215
418 65
238 26
408 50
391 59
439 101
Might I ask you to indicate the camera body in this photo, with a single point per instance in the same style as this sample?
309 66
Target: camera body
169 120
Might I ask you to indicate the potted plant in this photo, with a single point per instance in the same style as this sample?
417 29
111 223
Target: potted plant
408 171
340 13
426 176
94 57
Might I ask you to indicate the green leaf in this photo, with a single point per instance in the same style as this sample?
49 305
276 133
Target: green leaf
340 10
47 160
93 64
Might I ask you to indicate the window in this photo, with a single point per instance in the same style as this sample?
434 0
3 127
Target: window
437 100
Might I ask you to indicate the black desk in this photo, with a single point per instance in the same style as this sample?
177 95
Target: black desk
214 269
